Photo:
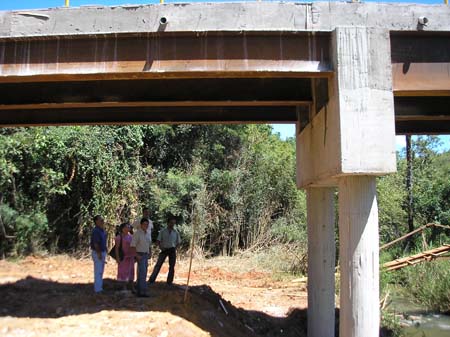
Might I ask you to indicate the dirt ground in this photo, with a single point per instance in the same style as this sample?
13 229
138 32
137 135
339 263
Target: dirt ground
53 296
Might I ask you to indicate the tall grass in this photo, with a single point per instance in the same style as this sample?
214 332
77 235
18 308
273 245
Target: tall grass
429 284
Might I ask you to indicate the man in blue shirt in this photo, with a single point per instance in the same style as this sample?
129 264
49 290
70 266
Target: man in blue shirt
98 246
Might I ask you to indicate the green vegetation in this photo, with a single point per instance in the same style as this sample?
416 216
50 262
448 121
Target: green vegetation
431 191
430 285
390 326
236 182
427 283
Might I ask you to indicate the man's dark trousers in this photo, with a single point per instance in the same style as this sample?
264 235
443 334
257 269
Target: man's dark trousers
172 254
142 274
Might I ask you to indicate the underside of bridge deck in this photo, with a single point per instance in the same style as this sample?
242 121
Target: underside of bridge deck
421 82
221 100
161 78
257 77
241 100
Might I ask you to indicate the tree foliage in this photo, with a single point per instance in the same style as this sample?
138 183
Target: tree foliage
431 198
236 183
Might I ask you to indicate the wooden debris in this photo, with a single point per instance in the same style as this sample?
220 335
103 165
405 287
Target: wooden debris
384 301
417 258
223 307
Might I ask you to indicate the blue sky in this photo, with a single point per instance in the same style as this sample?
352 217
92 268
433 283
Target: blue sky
285 130
288 130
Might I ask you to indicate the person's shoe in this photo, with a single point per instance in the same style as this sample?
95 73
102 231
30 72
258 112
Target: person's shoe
143 295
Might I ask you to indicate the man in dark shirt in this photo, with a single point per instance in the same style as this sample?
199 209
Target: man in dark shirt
98 246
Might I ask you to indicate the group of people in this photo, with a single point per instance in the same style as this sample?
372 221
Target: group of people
133 244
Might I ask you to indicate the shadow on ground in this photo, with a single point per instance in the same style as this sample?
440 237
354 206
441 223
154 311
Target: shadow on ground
36 298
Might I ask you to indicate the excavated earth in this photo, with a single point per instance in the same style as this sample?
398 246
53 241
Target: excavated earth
53 296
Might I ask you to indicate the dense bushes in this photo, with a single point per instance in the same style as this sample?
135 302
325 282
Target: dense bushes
236 183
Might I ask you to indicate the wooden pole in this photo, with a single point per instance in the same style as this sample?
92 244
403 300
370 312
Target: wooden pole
321 262
359 257
409 183
194 225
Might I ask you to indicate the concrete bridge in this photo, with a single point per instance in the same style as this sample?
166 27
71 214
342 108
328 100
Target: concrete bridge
349 75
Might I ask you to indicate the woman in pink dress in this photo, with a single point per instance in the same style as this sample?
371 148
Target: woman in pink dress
125 268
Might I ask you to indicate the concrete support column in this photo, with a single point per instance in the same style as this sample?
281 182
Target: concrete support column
348 143
359 257
321 262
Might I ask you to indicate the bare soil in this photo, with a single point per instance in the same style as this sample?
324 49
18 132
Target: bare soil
53 296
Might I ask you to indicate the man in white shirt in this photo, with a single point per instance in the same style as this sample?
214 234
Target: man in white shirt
137 223
140 244
168 240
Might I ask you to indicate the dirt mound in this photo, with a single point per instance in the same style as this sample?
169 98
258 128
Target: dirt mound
258 323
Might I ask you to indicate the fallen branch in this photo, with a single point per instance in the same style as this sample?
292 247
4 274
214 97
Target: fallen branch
384 301
420 229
